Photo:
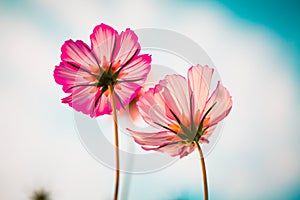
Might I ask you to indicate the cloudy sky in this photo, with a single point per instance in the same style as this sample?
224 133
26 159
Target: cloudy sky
256 54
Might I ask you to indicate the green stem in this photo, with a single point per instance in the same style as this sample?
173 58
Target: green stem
203 171
115 118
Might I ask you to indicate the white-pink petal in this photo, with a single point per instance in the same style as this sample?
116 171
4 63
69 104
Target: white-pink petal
176 96
153 140
82 99
70 77
79 54
137 70
199 78
153 108
104 39
125 92
205 138
127 47
222 102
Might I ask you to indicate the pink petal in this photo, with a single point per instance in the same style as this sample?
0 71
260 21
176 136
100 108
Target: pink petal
153 109
103 41
177 149
223 103
134 113
103 105
171 149
164 141
125 92
80 55
127 47
205 138
186 150
199 79
176 96
84 96
89 100
82 99
69 76
153 140
137 69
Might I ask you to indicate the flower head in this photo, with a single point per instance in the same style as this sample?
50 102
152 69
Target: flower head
182 111
113 60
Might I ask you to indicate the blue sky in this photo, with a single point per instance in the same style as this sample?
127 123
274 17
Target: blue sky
280 17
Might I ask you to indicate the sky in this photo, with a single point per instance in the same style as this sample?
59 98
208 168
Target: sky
254 46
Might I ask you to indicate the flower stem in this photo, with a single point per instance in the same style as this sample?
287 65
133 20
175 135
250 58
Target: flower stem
203 171
113 105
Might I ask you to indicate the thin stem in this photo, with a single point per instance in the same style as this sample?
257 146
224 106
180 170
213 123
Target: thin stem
203 171
113 105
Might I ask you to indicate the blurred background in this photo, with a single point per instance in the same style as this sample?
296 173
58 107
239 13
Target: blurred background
255 46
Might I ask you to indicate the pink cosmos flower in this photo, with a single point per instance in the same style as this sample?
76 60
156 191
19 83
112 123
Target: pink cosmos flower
183 112
112 60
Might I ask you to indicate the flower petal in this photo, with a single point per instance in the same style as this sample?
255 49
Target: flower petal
137 70
127 47
199 79
103 41
176 96
223 103
133 111
153 140
186 150
175 149
207 134
163 141
82 99
70 76
79 54
125 92
153 108
102 104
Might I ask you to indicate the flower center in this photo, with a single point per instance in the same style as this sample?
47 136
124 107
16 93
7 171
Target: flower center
107 78
190 132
